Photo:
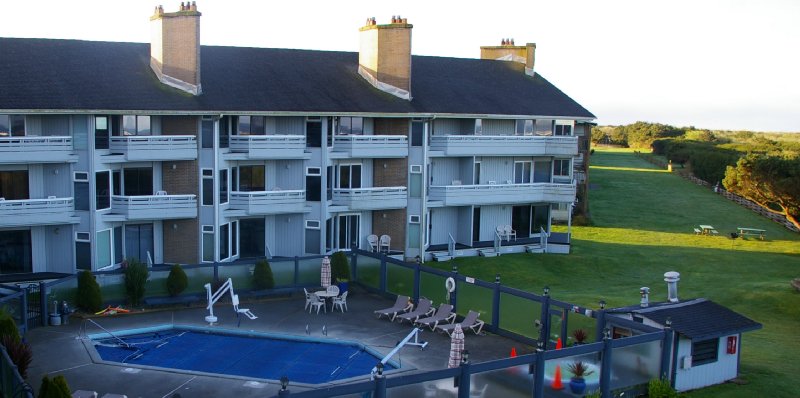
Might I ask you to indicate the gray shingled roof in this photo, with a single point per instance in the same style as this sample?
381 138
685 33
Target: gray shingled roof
45 74
697 319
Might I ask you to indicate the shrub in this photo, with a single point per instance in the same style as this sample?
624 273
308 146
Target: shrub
177 281
20 353
660 388
8 327
262 276
88 298
55 388
135 279
340 267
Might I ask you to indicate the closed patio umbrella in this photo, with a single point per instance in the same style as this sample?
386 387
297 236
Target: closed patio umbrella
456 347
325 273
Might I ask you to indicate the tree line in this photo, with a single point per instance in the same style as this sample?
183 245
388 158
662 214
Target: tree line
763 167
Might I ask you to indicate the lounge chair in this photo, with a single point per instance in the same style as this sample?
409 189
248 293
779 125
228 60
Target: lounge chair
402 304
424 308
470 321
443 314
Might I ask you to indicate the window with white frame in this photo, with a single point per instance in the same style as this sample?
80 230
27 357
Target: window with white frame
524 127
522 172
415 181
349 176
83 251
563 127
562 167
413 231
351 125
223 186
136 125
12 125
313 184
252 125
81 190
208 243
207 191
103 248
478 126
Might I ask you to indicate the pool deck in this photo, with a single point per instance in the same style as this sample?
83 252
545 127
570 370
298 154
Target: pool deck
60 350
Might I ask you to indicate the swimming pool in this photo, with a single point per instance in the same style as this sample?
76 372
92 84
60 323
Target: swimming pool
237 353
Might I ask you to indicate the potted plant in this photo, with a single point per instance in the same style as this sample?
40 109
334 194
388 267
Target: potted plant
262 276
580 336
577 383
340 270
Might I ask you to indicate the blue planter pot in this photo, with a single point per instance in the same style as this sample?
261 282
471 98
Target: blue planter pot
577 385
342 286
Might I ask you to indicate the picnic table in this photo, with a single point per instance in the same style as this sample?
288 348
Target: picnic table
708 230
761 233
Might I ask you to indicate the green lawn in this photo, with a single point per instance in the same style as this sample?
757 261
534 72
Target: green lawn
643 220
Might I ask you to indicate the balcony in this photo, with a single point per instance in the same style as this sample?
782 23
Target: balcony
259 203
152 207
34 149
465 195
503 145
31 212
371 198
154 147
370 146
266 147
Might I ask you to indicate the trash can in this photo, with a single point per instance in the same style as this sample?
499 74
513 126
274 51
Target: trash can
65 311
55 319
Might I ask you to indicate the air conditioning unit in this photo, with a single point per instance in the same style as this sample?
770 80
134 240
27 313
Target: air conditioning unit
686 362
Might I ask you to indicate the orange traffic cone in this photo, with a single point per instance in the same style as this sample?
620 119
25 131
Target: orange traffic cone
513 352
558 344
557 385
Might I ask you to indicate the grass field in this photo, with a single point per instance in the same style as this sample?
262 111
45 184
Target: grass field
643 221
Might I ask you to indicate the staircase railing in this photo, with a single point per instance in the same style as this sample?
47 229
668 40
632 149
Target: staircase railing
451 246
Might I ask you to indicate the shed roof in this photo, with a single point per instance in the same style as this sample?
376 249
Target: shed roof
75 75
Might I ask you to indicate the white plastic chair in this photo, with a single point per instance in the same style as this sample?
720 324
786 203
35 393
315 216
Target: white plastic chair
373 243
316 301
308 298
510 232
161 193
385 241
501 232
333 289
340 302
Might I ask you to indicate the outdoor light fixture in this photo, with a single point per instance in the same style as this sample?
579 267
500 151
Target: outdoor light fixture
496 278
464 356
284 383
602 304
668 322
547 290
606 333
379 368
455 268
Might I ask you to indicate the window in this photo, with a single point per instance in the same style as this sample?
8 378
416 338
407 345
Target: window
348 230
14 185
563 127
225 124
313 133
102 130
234 239
16 255
118 245
522 172
223 186
478 126
252 125
116 180
83 251
12 125
561 168
541 171
208 187
349 176
103 247
207 133
413 231
312 237
705 351
329 181
81 190
313 184
312 224
329 235
208 243
138 181
135 125
524 127
102 190
415 181
139 242
351 125
251 178
223 241
417 132
251 237
476 177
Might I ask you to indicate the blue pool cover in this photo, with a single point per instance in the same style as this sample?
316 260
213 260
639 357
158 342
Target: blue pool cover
258 357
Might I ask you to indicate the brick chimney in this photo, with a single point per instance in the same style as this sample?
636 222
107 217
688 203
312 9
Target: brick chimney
507 51
384 58
175 47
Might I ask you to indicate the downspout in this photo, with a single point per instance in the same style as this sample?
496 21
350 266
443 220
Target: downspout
215 194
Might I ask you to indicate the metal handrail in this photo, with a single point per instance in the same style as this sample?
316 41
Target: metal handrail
451 245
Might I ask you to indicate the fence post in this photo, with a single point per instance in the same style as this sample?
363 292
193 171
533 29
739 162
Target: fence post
383 276
454 294
353 267
296 271
538 373
666 350
496 304
380 382
23 303
43 303
601 321
544 333
417 281
605 369
464 384
564 325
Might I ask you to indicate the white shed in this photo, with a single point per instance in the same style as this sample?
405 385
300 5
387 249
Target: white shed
707 340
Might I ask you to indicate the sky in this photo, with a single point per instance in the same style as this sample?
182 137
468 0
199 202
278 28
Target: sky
716 64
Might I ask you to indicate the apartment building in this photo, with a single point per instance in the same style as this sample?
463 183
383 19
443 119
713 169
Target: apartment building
173 152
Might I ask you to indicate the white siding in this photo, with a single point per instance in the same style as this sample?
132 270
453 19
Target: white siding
491 217
290 126
496 169
464 225
725 368
498 127
445 170
444 221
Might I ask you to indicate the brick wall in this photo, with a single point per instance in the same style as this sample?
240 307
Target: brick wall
395 174
178 50
179 125
394 225
391 126
182 180
385 52
181 242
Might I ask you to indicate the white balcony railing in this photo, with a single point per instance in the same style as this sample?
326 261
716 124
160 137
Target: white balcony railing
269 146
371 146
154 207
371 198
481 145
155 147
488 194
35 149
27 212
268 202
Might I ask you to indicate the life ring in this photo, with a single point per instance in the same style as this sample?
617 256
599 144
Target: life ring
450 284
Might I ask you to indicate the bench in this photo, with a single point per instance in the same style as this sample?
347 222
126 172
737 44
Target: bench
697 231
714 232
187 300
761 233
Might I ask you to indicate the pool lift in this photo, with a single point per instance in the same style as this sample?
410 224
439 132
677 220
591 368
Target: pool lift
406 341
213 298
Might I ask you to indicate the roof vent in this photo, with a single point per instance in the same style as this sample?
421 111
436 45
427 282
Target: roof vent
672 279
645 292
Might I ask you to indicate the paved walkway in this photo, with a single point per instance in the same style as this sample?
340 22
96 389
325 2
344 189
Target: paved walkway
60 349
